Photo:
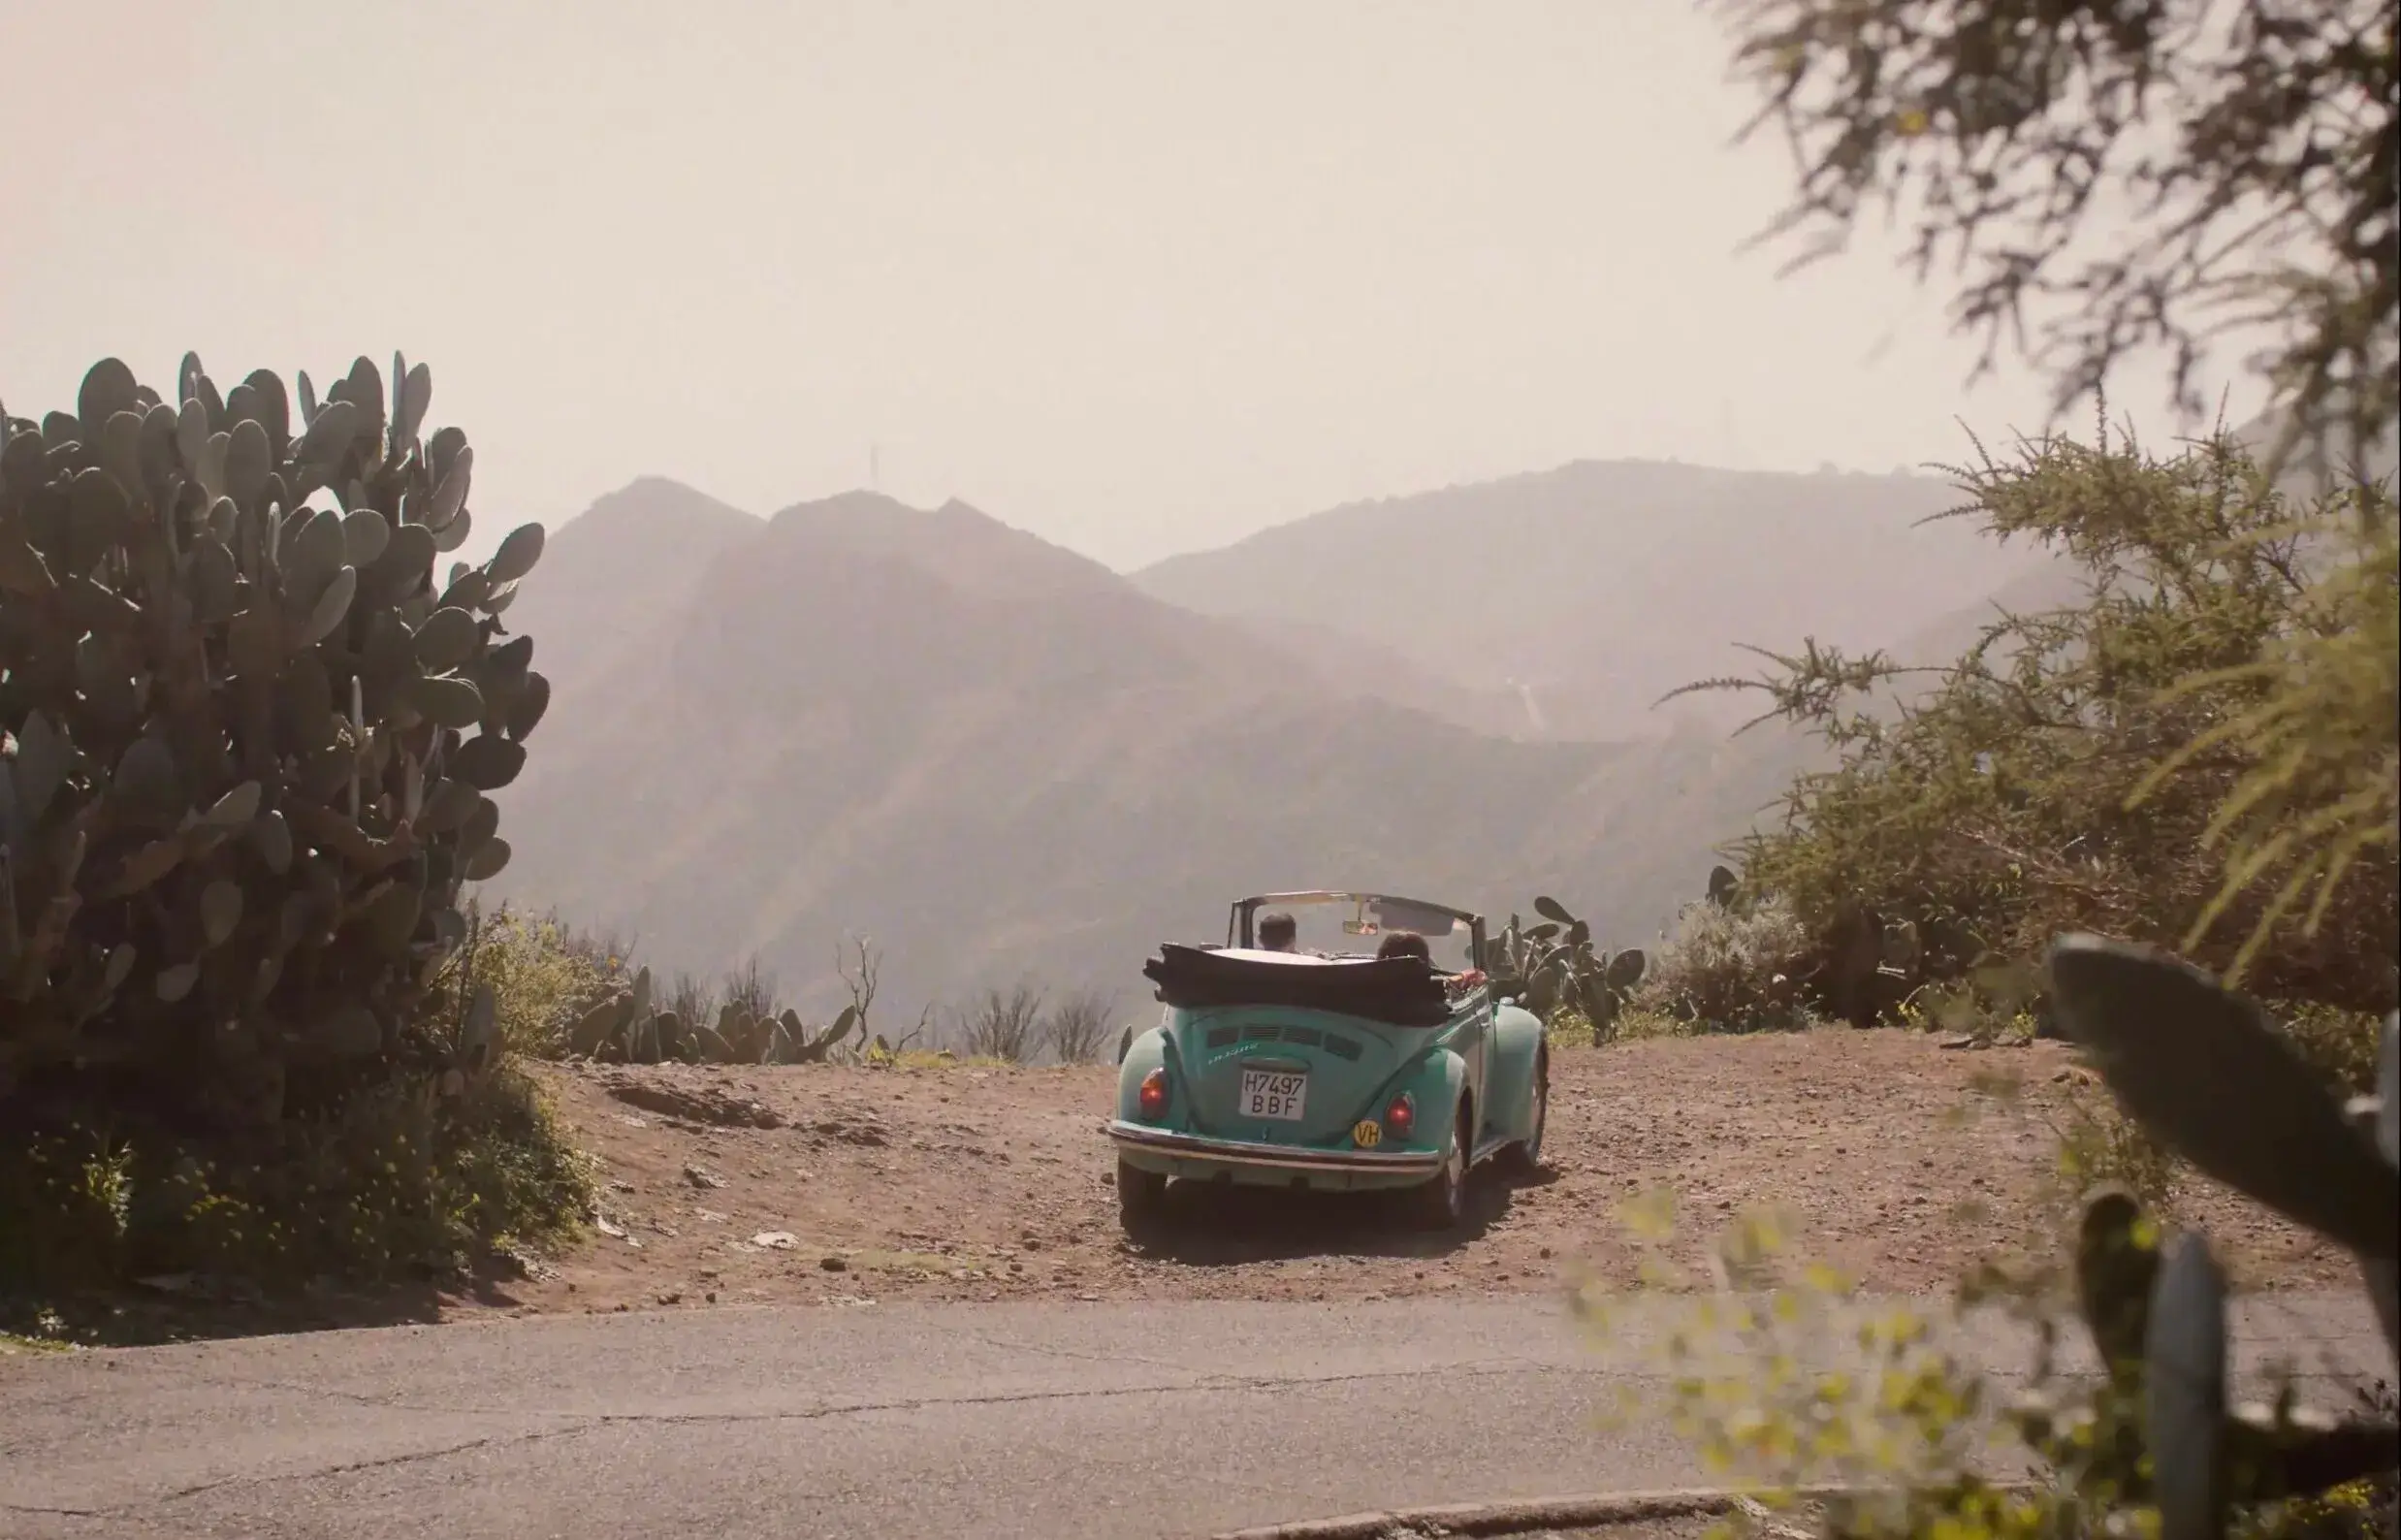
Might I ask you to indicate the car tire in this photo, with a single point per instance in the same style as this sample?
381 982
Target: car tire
1524 1157
1141 1196
1441 1202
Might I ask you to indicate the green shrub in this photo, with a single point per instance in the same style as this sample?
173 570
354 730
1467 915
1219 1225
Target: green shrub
2200 751
1730 968
2339 1045
1638 1024
1570 1028
394 1181
2100 1146
2316 740
540 973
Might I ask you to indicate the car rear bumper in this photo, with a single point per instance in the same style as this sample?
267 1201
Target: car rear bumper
1229 1152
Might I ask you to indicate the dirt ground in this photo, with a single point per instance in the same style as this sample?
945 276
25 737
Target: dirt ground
1900 1161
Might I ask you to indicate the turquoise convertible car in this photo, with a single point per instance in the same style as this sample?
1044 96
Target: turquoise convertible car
1333 1068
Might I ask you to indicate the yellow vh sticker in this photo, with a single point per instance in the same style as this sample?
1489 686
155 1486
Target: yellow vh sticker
1368 1134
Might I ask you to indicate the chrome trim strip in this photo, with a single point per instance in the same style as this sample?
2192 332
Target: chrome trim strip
1238 1152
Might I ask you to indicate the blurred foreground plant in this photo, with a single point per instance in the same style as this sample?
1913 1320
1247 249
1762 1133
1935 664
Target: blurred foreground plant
2150 1444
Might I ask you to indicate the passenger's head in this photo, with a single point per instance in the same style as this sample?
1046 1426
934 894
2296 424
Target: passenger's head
1277 930
1404 944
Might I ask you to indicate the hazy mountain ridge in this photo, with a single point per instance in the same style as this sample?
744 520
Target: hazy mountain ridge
630 566
1604 584
1001 759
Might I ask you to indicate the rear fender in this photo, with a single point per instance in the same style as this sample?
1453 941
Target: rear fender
1433 1080
1150 1050
1509 1074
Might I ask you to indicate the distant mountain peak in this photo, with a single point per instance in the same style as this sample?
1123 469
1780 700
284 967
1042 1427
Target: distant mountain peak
857 502
956 542
860 503
651 483
652 499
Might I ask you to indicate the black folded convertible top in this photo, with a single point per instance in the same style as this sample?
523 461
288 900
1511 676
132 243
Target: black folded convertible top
1399 991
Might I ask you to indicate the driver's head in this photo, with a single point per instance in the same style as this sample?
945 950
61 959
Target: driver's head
1404 944
1277 930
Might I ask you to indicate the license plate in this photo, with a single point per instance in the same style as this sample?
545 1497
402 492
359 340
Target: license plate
1273 1094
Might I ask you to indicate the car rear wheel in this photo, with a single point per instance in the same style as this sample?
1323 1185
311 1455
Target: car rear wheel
1526 1155
1441 1202
1141 1196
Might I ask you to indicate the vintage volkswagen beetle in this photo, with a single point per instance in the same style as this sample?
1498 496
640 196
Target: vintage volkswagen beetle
1330 1070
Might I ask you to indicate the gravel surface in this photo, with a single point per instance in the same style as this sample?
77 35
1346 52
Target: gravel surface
1898 1160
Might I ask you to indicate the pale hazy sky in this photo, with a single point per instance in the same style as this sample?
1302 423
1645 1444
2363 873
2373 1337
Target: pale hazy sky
1137 276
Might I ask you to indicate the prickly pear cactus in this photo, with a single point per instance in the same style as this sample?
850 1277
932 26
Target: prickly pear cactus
251 735
1557 967
2198 1066
625 1027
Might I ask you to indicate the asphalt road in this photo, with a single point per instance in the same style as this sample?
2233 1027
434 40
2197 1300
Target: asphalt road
1063 1422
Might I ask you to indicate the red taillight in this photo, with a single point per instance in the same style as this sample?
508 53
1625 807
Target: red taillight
1402 1115
1153 1096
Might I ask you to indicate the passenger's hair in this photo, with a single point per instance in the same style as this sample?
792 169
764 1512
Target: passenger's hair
1278 929
1404 944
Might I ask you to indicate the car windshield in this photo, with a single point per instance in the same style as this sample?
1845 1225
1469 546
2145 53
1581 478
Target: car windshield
1321 928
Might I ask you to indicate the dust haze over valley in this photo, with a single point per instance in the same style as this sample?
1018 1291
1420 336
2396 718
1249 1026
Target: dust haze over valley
1165 452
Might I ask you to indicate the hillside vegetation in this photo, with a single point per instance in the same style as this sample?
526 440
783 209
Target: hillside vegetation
2197 752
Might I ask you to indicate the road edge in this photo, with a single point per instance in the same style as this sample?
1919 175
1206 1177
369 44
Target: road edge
1526 1515
1500 1518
